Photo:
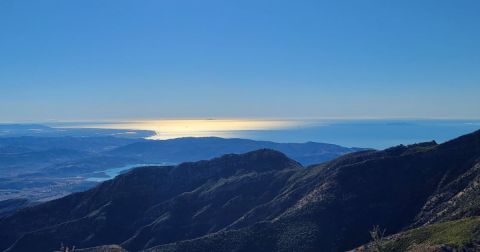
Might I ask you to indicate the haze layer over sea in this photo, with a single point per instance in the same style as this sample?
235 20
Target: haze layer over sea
352 133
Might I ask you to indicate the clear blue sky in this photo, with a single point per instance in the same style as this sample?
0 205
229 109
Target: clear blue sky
91 59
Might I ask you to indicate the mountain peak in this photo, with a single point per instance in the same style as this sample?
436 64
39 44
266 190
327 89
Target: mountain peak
261 201
260 161
261 155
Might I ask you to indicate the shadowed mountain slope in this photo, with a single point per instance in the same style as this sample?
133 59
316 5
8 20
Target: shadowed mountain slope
343 199
261 201
155 204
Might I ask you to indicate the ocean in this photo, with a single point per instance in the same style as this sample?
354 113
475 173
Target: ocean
378 134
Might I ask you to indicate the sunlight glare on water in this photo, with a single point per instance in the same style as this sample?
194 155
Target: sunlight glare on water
352 133
174 128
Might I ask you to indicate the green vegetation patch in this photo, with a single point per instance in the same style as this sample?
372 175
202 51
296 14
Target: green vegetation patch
452 233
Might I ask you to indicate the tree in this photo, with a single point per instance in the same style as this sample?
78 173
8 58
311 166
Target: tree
377 235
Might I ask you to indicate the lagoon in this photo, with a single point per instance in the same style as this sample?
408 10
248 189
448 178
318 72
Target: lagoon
111 173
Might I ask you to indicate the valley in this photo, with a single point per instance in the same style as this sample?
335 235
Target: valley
42 168
264 201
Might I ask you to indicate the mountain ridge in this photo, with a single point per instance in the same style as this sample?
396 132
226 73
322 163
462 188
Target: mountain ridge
260 201
166 183
200 148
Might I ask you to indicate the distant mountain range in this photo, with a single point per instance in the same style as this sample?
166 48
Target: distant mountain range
19 155
265 201
42 168
201 148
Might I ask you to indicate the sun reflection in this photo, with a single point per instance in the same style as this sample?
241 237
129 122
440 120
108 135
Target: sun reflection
174 128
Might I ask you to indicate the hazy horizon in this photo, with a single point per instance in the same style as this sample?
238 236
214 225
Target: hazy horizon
378 133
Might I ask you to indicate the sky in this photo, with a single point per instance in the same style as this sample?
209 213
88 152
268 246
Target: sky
115 60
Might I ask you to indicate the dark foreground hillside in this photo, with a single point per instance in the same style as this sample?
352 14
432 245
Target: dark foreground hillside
261 201
450 236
